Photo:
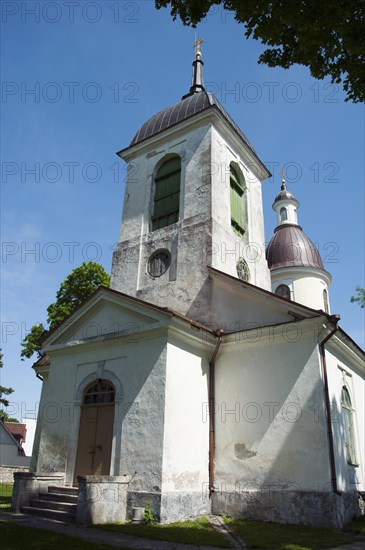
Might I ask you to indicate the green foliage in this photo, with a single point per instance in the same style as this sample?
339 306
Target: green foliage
74 290
359 297
32 341
3 390
326 37
148 514
6 490
6 417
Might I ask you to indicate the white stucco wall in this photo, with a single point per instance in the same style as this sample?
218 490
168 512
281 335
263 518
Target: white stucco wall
228 247
136 368
306 285
186 435
342 371
203 235
270 422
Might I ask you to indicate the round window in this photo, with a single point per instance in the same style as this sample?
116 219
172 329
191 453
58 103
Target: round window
158 263
243 271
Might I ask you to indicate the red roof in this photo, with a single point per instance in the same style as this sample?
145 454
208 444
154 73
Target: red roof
17 430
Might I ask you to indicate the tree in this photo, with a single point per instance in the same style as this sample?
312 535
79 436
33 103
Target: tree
3 390
327 37
74 290
3 401
359 297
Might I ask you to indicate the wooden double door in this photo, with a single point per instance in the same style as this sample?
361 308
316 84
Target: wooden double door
95 440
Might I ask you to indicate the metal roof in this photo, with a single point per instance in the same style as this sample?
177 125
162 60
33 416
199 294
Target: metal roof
184 109
290 247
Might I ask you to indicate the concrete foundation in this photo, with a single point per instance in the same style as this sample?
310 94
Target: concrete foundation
27 485
102 499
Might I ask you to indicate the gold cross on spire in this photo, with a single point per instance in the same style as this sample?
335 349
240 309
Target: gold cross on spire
197 43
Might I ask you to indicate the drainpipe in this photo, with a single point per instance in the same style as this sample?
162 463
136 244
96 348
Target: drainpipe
219 335
39 376
335 319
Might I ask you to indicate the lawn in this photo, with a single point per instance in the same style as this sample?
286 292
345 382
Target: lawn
6 490
357 526
258 534
198 532
13 537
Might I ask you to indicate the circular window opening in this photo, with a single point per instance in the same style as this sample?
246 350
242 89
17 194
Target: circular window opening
243 271
158 263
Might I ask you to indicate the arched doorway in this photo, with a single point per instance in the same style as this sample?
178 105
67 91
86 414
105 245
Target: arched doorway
96 430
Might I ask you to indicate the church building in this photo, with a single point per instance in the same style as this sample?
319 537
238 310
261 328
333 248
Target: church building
211 377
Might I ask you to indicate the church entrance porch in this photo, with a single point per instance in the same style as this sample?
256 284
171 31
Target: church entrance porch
96 430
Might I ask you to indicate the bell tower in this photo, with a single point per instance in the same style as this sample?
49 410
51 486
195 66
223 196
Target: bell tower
192 200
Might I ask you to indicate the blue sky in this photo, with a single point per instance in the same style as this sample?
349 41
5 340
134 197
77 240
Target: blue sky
98 70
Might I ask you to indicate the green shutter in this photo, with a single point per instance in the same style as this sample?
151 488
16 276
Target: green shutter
237 202
167 194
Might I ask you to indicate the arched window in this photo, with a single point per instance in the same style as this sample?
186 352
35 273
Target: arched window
325 301
295 215
348 425
100 391
167 194
283 214
243 270
283 291
238 214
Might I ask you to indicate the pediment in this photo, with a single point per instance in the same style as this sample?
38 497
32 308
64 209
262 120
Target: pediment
106 315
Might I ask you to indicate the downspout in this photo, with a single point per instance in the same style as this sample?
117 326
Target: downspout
322 344
219 335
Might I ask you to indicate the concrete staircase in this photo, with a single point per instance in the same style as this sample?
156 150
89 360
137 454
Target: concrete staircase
58 503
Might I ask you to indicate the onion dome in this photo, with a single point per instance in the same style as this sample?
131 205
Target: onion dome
290 247
284 195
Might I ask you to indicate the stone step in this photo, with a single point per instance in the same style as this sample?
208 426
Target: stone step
45 513
63 490
52 505
58 497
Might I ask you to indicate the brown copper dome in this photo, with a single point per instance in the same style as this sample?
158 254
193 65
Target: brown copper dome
290 247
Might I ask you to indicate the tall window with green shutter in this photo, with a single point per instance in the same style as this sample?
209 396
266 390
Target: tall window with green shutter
167 194
238 214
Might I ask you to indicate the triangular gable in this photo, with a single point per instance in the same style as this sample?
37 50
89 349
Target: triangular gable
7 438
238 305
106 314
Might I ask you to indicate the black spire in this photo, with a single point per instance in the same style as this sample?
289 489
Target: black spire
197 80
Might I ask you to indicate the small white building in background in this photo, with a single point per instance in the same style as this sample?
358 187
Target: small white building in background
12 453
214 376
31 424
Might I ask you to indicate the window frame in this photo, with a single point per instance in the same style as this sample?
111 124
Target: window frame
163 215
95 395
283 285
237 198
349 426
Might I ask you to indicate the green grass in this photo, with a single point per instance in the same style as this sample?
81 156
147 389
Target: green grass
258 534
198 532
13 537
357 526
6 490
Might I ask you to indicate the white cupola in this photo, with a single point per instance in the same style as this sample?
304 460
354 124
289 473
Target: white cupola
296 267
